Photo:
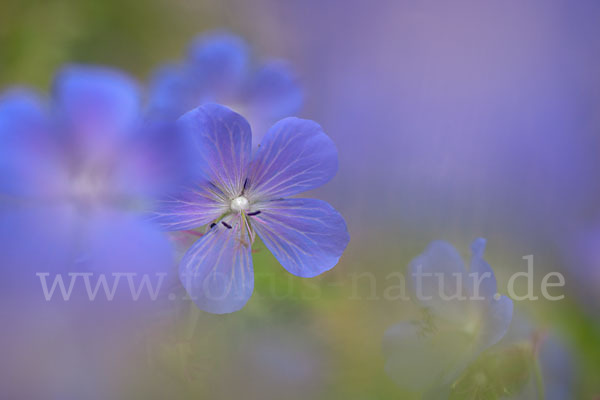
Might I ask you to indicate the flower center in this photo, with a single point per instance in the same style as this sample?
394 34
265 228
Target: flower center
89 186
240 204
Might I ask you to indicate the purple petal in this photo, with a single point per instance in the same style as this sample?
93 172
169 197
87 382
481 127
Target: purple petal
153 163
496 319
222 140
219 60
190 210
295 156
173 91
559 369
97 105
21 122
217 270
21 114
442 272
28 152
307 236
122 242
274 91
481 271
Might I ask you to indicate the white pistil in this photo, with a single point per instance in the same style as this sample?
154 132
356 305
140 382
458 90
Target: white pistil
240 204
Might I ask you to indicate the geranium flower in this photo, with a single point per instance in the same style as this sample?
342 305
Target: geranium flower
460 320
217 70
75 174
548 367
240 197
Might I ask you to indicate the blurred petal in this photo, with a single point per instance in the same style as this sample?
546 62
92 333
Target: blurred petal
217 270
442 271
21 114
219 60
482 271
21 120
153 164
113 241
496 319
307 236
172 91
295 156
274 91
558 368
223 140
190 209
97 104
34 239
27 148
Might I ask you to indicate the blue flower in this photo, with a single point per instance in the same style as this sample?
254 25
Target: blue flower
462 316
76 171
240 197
217 70
581 258
555 360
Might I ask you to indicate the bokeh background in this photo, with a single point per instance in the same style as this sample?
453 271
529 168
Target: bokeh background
453 120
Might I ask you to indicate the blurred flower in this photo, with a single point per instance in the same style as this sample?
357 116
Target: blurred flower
216 70
240 197
460 320
581 257
74 176
557 367
551 361
527 363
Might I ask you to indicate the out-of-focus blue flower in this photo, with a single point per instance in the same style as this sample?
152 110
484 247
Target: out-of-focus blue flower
76 172
581 257
217 70
554 358
239 196
429 354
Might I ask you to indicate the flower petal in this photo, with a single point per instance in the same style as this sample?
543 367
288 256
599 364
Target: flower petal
29 154
481 272
96 104
189 210
118 241
222 138
274 91
307 236
439 271
21 113
219 60
217 270
496 319
295 156
172 91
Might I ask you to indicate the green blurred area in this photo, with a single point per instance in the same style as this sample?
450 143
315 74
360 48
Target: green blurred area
340 314
39 36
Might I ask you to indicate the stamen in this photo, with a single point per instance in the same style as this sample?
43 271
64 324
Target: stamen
253 213
212 225
245 183
226 225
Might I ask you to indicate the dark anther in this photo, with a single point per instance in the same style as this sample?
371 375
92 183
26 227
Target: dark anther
212 225
245 183
253 213
226 225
